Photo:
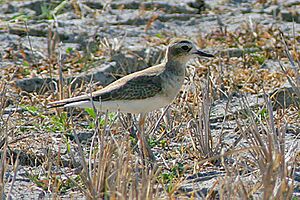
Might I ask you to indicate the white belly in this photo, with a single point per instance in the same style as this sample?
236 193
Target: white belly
126 106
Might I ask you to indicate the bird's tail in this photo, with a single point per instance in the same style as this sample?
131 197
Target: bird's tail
56 104
69 101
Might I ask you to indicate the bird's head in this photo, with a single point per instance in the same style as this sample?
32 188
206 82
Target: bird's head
182 50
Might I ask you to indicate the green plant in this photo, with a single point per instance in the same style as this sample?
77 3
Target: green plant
21 17
101 120
50 10
60 122
152 142
69 50
259 58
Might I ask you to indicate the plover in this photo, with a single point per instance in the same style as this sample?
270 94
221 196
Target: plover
145 90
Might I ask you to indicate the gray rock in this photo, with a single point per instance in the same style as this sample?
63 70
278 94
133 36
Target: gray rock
198 4
289 3
240 1
66 16
272 10
235 52
36 84
166 6
286 96
34 5
8 40
273 65
200 183
84 137
289 16
7 8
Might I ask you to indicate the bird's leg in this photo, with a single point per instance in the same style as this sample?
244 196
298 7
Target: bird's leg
145 148
130 127
142 122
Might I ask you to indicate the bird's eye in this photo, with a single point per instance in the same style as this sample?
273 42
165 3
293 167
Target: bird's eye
185 47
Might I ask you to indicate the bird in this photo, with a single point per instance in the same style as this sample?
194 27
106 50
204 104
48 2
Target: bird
142 91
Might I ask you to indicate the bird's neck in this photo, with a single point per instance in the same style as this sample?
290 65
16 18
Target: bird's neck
176 67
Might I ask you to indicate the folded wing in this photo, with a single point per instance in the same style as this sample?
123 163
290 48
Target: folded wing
139 87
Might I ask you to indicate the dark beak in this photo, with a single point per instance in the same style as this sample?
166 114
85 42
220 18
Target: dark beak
201 53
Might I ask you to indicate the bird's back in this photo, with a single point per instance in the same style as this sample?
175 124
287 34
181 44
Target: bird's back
138 85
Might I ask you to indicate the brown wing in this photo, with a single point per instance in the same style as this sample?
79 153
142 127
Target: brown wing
139 87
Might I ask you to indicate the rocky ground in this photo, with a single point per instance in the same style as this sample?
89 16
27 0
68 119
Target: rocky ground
95 43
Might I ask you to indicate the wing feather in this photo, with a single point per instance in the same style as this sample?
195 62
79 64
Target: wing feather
139 87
